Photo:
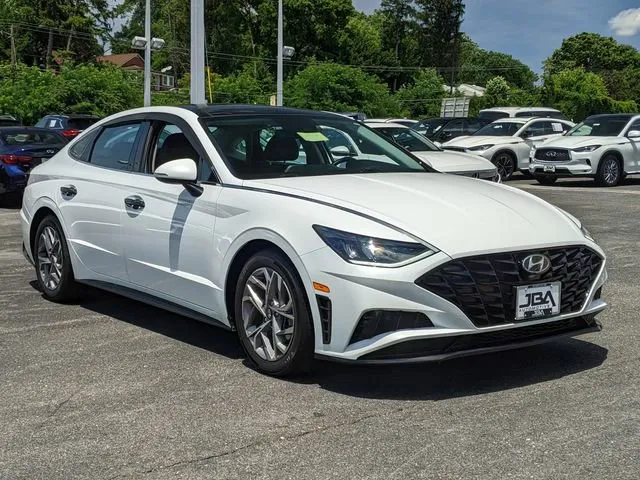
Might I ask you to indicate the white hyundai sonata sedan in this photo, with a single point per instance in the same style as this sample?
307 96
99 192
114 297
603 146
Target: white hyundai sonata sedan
242 217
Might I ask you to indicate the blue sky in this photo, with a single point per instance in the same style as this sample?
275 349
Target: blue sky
531 30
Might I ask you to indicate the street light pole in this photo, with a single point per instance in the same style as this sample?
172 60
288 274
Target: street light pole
279 99
147 54
197 52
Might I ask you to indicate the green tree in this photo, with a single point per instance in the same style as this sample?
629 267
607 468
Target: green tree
423 97
497 92
399 31
478 66
329 86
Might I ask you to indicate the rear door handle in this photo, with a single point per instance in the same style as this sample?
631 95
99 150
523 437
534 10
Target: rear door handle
134 202
68 191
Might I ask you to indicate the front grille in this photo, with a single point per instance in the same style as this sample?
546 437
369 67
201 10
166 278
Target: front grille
483 287
463 343
553 155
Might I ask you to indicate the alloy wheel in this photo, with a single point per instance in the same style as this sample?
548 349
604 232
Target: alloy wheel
611 172
50 258
268 313
505 165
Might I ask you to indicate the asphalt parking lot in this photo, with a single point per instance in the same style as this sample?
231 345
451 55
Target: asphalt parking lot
110 388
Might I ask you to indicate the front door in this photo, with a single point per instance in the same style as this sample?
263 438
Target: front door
168 232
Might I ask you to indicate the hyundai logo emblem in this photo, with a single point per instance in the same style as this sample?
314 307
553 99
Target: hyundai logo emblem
552 154
536 263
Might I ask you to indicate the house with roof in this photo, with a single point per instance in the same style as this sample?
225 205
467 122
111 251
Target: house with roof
162 80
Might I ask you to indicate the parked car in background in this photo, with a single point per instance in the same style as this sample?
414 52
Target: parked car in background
447 162
9 121
352 259
497 113
508 142
407 122
21 149
69 126
604 147
442 130
355 115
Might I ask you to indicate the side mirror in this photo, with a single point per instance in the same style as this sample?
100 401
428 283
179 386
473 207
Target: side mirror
340 151
438 144
183 170
633 134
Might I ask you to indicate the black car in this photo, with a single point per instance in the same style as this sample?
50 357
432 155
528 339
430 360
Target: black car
69 126
9 121
444 129
21 149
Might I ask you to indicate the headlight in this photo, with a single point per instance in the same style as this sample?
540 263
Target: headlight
589 148
480 148
361 249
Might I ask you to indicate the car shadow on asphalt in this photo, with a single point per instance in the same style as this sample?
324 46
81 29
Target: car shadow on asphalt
581 183
462 377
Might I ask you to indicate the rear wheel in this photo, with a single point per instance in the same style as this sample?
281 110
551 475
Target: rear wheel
53 263
546 179
506 164
272 316
609 172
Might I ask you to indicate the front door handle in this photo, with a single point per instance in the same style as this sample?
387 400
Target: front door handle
134 202
68 191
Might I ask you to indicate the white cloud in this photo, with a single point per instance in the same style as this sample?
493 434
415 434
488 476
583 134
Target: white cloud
626 23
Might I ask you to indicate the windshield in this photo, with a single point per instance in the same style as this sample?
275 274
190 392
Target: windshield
409 139
502 129
260 146
26 137
428 128
599 127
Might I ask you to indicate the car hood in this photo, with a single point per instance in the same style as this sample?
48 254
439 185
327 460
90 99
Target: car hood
475 141
575 142
454 162
458 215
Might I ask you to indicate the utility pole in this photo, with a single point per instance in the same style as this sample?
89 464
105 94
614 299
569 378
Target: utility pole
147 54
49 49
69 39
197 52
14 60
279 99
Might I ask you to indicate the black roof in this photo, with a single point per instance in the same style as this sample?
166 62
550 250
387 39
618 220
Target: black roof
238 109
72 115
628 116
18 128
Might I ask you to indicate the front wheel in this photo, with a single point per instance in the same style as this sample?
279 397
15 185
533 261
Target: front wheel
53 263
609 172
506 164
272 316
546 179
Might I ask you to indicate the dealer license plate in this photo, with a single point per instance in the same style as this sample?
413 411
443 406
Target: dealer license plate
550 168
541 300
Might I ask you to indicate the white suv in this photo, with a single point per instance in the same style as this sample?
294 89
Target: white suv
507 142
497 113
605 147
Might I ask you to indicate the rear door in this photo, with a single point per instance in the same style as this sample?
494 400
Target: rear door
91 198
168 236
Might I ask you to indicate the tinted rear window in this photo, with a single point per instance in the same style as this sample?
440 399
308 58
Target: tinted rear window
25 137
492 116
80 123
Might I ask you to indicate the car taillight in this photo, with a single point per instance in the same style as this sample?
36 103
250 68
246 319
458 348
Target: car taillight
72 132
14 159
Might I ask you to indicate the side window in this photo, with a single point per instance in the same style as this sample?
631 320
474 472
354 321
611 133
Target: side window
114 147
558 128
473 125
82 148
537 129
453 129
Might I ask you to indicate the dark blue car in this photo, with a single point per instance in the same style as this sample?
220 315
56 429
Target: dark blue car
21 149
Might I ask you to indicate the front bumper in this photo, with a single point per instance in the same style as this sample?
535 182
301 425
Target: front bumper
580 164
357 290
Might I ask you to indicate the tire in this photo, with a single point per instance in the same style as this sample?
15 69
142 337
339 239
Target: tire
506 164
609 172
55 278
278 354
546 179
